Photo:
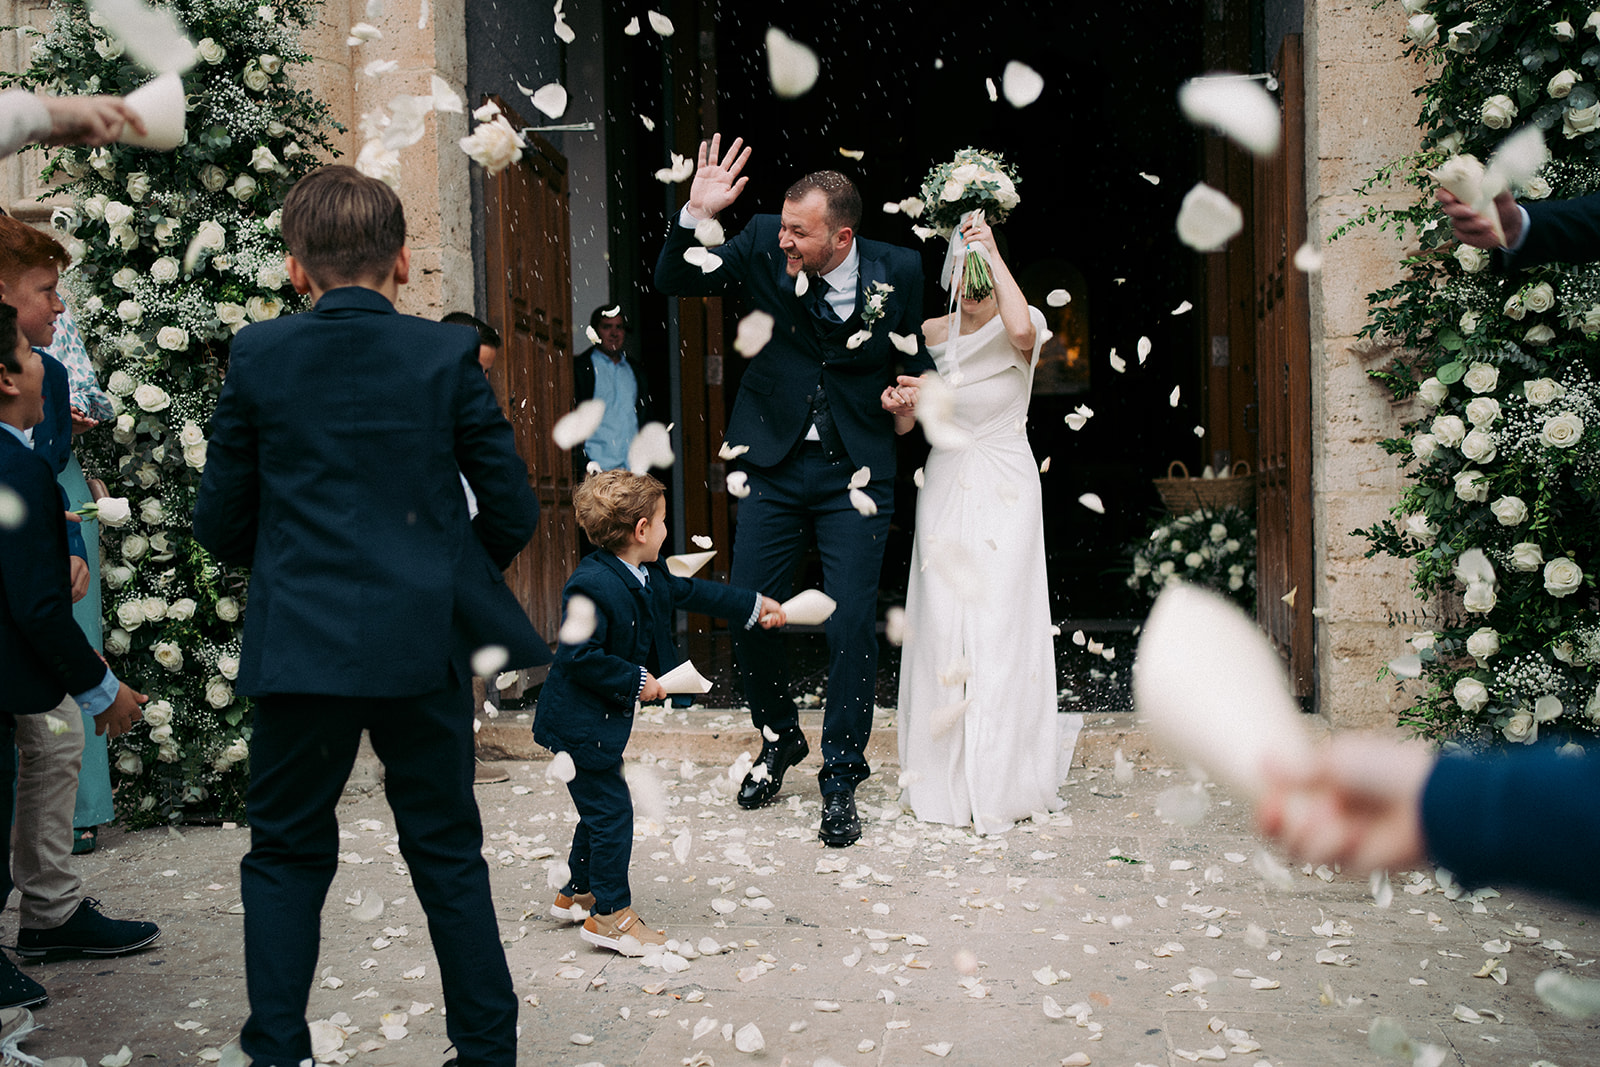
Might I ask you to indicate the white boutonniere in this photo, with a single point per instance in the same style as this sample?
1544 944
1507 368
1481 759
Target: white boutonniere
876 297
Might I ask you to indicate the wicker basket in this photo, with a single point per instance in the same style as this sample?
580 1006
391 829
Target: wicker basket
1183 494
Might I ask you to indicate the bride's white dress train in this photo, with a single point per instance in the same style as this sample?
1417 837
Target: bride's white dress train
981 742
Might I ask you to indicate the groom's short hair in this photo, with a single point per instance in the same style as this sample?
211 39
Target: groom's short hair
844 200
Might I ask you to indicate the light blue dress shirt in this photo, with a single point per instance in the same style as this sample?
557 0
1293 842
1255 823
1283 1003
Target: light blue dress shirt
614 384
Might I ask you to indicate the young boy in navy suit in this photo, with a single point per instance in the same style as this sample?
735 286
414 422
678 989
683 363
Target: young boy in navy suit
586 707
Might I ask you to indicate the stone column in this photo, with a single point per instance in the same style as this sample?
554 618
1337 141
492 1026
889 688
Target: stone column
1359 114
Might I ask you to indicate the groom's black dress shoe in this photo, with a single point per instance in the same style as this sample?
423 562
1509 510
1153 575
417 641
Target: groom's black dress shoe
777 757
841 825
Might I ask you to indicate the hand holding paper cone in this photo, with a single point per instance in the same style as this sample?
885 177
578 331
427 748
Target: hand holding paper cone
684 679
160 104
809 608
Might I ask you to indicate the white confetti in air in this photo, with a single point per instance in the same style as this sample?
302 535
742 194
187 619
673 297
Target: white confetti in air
682 169
738 485
361 33
906 343
380 66
1151 178
489 659
649 123
731 451
861 477
936 407
702 257
1143 349
651 447
1199 431
709 232
632 28
1022 84
1235 106
507 680
153 37
863 503
1172 400
660 23
1058 298
894 626
578 625
754 331
561 769
701 541
792 66
853 153
1183 308
681 846
1208 219
1092 502
649 798
1308 258
580 424
857 339
1118 364
994 94
1044 467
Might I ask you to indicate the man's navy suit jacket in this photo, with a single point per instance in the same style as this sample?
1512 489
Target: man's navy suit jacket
775 394
586 705
52 438
332 471
43 654
1566 231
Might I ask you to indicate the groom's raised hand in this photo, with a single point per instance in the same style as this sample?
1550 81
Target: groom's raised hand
716 180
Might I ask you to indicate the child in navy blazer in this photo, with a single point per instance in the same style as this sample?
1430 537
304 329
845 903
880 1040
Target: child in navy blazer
586 706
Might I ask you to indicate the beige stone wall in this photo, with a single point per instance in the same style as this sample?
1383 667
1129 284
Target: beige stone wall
1360 113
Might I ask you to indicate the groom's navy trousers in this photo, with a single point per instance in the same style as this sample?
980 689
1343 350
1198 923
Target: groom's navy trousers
803 495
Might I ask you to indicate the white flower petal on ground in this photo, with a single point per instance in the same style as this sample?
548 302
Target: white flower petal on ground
906 343
792 66
651 447
1058 298
748 1038
738 485
561 768
579 622
580 424
753 333
1092 502
660 23
1235 106
939 1048
152 36
1208 219
1022 84
1308 258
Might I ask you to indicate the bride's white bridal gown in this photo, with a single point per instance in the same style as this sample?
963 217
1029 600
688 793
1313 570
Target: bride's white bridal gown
980 742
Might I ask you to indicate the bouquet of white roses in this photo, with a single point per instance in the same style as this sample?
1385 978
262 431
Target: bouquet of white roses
973 180
1213 547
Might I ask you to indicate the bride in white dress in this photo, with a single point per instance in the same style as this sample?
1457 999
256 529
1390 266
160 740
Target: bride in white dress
980 743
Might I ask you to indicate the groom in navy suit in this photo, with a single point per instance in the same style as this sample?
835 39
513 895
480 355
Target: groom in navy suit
809 411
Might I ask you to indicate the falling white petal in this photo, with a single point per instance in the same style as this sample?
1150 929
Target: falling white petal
649 123
861 477
1118 364
1518 159
702 257
942 720
565 32
488 660
994 94
682 169
802 284
894 626
380 66
1143 348
1058 298
1172 401
579 623
906 343
754 331
857 339
561 768
727 452
1574 997
701 541
1208 219
650 447
153 36
632 28
558 874
1092 502
551 98
1022 84
1238 107
709 232
852 153
1183 308
361 33
738 485
1308 258
936 404
1151 178
791 65
863 503
580 424
660 23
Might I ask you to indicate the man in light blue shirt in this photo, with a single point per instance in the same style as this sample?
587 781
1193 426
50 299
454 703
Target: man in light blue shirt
607 372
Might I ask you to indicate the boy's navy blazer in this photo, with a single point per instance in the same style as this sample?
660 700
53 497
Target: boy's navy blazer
52 438
331 471
43 654
586 705
775 393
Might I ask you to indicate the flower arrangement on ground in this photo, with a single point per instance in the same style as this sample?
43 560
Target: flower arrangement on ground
175 253
1213 547
973 180
1503 460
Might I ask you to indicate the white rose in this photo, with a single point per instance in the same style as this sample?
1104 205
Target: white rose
1514 308
125 237
129 763
1167 568
292 150
147 476
166 754
1449 429
1230 546
1483 410
164 270
1526 557
271 277
113 511
1433 391
1535 188
1472 486
1480 598
138 186
160 546
130 615
228 666
1479 446
153 608
236 752
1562 31
118 576
130 312
231 314
1542 391
228 609
1562 431
1593 23
1481 377
181 610
119 384
1561 85
1424 640
191 434
1193 560
1424 446
1461 38
1472 260
1218 533
166 232
210 51
219 694
95 206
1510 510
1539 335
1422 28
270 64
172 338
151 397
255 79
195 455
1580 120
151 513
94 305
1562 577
117 213
1521 728
118 641
210 236
1539 297
1470 694
161 734
262 308
272 221
158 713
1418 526
1483 643
169 655
133 547
213 177
1498 111
243 188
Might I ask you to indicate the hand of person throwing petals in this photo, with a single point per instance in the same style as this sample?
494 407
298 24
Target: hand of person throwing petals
717 183
89 120
901 397
771 614
1473 229
653 689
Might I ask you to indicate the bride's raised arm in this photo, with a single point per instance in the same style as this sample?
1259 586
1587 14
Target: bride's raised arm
1008 295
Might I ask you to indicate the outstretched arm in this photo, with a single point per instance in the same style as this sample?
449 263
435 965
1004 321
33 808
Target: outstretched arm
1476 230
717 179
1007 293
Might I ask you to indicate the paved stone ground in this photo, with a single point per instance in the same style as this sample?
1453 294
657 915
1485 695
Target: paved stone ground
918 938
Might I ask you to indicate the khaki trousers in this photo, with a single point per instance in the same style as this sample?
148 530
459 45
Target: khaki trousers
41 834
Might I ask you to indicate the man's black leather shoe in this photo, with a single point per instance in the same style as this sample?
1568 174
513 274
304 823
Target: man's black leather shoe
761 785
841 825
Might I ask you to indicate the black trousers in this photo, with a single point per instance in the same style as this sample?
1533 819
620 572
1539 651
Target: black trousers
301 752
602 842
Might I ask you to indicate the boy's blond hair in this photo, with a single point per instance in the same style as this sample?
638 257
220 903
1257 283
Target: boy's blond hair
610 504
342 226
